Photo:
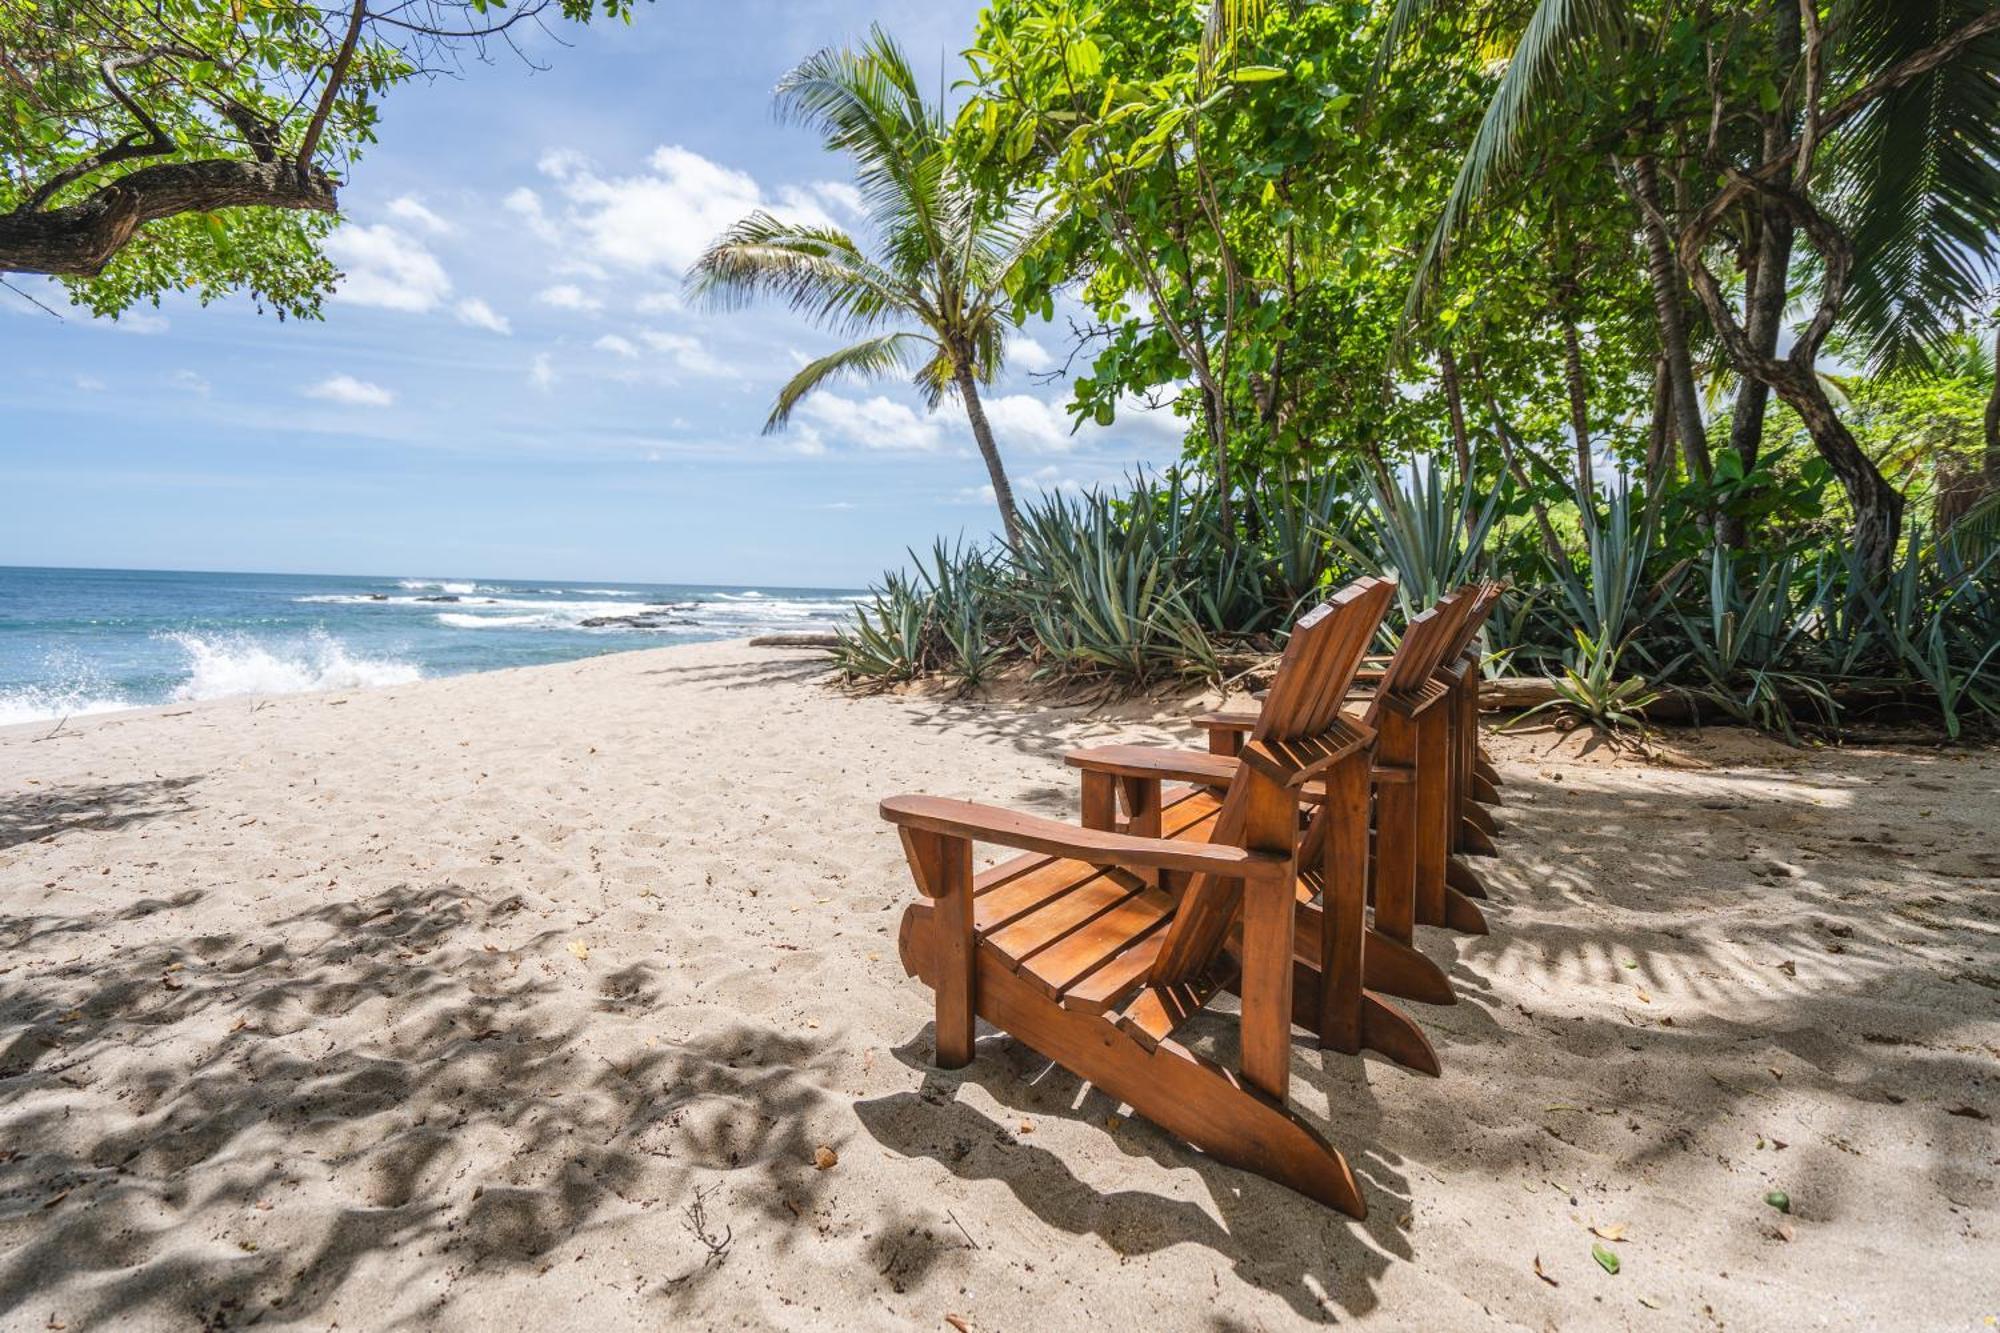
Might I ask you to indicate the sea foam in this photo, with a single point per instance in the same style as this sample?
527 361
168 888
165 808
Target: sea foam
224 665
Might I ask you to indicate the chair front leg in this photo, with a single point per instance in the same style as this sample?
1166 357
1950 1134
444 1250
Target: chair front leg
1269 918
942 867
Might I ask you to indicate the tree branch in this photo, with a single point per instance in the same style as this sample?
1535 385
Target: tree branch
152 143
80 239
335 76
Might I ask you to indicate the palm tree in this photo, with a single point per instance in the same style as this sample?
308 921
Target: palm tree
931 297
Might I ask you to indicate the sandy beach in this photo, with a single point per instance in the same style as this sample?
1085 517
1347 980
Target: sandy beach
530 999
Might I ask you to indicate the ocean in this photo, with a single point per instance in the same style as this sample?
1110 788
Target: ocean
77 641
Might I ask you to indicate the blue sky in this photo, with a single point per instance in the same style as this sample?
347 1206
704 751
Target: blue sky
507 384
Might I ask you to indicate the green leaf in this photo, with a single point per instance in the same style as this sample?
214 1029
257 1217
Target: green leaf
1779 1200
1606 1260
1257 73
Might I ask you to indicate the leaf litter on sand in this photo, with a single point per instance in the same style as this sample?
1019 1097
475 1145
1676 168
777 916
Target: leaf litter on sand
1606 1259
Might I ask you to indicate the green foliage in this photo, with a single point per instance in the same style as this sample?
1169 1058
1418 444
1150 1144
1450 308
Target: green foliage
95 92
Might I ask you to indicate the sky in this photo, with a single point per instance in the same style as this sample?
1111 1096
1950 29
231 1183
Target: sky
507 383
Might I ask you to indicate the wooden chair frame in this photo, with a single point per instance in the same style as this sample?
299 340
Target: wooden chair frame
1125 935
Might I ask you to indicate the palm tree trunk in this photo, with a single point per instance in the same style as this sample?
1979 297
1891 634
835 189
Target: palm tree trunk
1669 297
1992 464
1461 443
982 434
1768 278
1579 406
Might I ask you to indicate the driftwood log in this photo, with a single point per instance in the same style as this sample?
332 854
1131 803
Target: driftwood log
796 639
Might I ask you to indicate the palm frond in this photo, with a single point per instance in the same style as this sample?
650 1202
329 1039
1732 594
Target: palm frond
1560 35
1922 168
818 271
871 356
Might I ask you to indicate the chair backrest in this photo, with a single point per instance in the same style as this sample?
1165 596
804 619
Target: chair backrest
1485 597
1302 705
1427 640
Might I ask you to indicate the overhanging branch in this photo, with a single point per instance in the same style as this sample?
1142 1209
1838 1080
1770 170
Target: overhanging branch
80 239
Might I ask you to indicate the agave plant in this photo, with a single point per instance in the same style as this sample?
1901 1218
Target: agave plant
1102 593
1428 529
1592 687
1745 640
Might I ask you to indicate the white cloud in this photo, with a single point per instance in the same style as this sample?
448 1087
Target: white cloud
874 423
659 303
617 346
525 204
838 195
386 268
193 383
480 315
141 322
89 383
1027 354
662 217
411 209
569 296
542 372
350 391
688 353
1023 421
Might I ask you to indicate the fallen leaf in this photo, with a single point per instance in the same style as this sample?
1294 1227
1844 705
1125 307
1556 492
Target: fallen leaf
1643 997
580 949
1649 1303
825 1158
958 1322
1779 1200
1783 1231
1609 1231
1606 1260
1027 1126
1544 1276
1789 968
1969 1112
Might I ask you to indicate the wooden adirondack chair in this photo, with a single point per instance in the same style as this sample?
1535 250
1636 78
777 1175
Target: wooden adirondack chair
1093 951
1425 750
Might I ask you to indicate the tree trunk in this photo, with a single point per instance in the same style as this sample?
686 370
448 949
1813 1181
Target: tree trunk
982 433
1579 408
1878 506
1461 443
1992 464
1768 278
1669 307
1660 440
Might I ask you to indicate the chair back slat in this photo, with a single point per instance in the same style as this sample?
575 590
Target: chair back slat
1319 663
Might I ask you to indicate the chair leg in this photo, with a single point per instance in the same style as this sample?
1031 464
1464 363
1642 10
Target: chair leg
1483 767
1434 813
942 867
1484 792
1465 879
1462 914
1169 1085
1394 880
1481 818
1474 841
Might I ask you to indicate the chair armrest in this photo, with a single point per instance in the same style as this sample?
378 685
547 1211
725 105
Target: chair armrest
1032 833
1148 761
1226 721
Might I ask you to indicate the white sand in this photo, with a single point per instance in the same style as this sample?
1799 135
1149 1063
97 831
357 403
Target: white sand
439 1006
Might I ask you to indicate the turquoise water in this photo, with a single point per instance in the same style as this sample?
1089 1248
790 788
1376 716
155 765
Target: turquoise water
75 641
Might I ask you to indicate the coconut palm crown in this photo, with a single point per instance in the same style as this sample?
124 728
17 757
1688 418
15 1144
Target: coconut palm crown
929 300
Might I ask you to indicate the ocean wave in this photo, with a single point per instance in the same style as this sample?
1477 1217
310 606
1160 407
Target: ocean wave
43 703
463 620
221 666
441 585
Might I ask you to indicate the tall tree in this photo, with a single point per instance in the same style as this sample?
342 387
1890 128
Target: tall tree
148 148
944 250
